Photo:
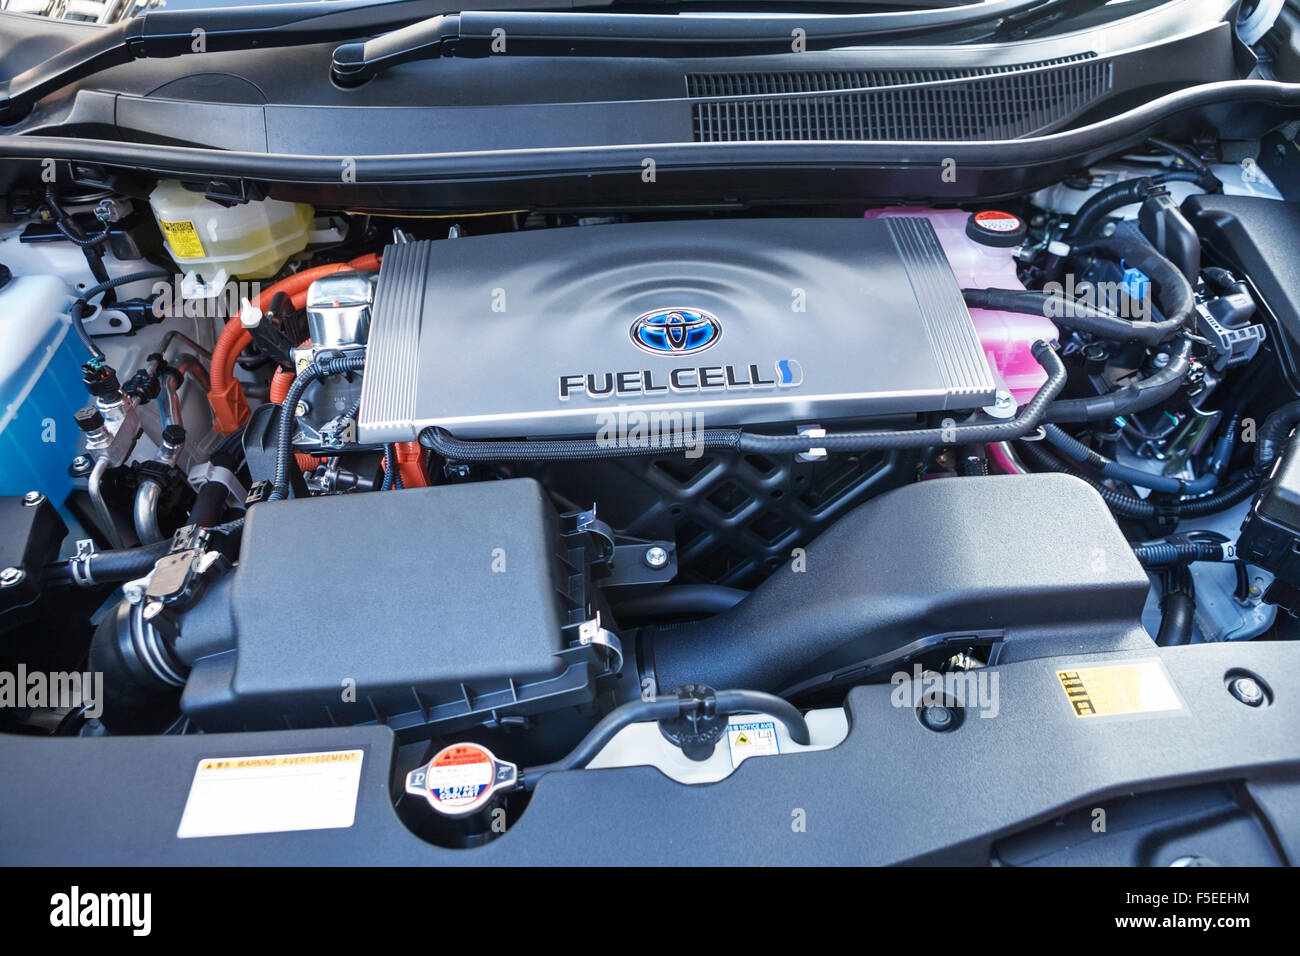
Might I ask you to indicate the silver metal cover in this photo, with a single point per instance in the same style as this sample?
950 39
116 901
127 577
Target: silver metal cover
743 322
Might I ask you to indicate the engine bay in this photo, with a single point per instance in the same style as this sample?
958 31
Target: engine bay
548 492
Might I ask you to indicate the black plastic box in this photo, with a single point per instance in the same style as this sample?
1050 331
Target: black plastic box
1270 535
447 605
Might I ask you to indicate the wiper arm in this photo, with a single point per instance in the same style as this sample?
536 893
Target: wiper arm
158 34
515 33
170 33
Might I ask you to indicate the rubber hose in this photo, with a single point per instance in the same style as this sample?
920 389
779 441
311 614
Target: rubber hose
1273 434
209 503
108 566
666 707
210 499
1174 293
979 433
1130 506
1027 420
1071 446
578 449
1134 397
1118 195
1177 613
633 712
1205 176
1165 553
1073 314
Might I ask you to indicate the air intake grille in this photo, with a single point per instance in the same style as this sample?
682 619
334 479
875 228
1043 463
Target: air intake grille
734 518
975 104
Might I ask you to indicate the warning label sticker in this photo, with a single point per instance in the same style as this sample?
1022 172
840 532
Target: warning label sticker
272 794
1109 690
182 239
750 737
460 775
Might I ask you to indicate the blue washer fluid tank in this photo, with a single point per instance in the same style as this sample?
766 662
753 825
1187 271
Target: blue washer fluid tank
40 386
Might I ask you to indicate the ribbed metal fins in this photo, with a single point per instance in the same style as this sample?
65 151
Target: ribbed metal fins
955 343
388 389
968 104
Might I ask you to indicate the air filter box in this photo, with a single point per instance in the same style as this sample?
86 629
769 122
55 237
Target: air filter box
446 606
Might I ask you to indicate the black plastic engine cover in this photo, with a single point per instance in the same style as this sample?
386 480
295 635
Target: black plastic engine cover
1257 238
1270 535
446 605
1031 564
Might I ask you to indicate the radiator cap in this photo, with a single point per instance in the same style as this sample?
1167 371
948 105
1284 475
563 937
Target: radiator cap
992 227
461 779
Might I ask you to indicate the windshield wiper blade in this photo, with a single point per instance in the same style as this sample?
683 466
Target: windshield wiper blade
170 33
515 33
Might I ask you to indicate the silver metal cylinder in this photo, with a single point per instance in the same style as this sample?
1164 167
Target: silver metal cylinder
338 309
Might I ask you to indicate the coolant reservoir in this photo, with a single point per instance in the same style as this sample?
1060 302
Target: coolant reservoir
215 242
980 251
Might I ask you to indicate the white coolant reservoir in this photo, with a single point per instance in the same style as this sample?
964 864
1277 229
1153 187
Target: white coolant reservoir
213 243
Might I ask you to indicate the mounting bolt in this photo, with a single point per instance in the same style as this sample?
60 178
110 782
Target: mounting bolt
12 577
302 409
656 557
81 466
1248 691
938 718
33 498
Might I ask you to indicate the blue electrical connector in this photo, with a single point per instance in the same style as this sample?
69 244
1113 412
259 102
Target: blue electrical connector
1137 286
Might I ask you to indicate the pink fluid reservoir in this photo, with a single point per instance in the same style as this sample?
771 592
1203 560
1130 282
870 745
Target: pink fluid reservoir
1007 337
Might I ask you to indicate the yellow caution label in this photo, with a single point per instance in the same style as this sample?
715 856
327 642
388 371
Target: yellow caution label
286 760
182 239
742 740
1109 690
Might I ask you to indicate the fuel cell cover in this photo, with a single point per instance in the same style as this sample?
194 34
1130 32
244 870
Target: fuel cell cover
741 322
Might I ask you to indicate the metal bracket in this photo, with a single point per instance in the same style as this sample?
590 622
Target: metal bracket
591 634
200 475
